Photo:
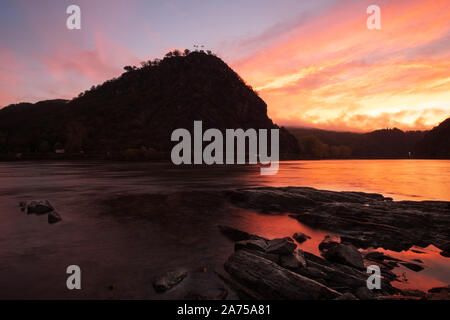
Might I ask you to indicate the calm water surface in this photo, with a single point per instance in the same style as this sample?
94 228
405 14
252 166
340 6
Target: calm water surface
128 250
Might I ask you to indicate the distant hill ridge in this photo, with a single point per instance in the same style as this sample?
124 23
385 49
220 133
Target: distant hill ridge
385 143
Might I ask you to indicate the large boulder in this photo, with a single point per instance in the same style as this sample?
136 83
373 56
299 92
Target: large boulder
270 281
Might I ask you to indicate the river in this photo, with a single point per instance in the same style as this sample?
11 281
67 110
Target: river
124 248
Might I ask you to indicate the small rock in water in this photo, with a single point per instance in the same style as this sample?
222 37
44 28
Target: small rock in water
39 207
54 217
169 280
300 237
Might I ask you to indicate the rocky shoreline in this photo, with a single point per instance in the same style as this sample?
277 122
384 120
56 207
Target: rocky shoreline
281 268
275 269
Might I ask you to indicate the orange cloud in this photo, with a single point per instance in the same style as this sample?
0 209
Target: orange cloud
334 72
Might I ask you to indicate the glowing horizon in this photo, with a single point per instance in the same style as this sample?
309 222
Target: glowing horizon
315 65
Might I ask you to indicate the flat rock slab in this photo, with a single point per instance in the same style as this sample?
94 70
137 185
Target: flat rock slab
271 281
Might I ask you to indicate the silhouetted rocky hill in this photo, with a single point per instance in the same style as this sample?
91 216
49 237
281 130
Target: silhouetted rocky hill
134 115
436 142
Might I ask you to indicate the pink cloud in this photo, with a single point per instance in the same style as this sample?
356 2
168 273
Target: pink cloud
10 68
102 62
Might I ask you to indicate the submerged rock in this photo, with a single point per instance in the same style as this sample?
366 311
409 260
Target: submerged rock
39 207
53 217
169 280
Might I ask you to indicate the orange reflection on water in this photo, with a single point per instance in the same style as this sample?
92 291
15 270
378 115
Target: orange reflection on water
279 226
436 272
400 179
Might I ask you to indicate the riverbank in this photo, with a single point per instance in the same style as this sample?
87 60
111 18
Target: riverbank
361 230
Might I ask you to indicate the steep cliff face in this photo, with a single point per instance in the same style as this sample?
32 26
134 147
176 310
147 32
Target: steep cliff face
142 108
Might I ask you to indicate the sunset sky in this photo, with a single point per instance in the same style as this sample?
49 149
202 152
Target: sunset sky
315 63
